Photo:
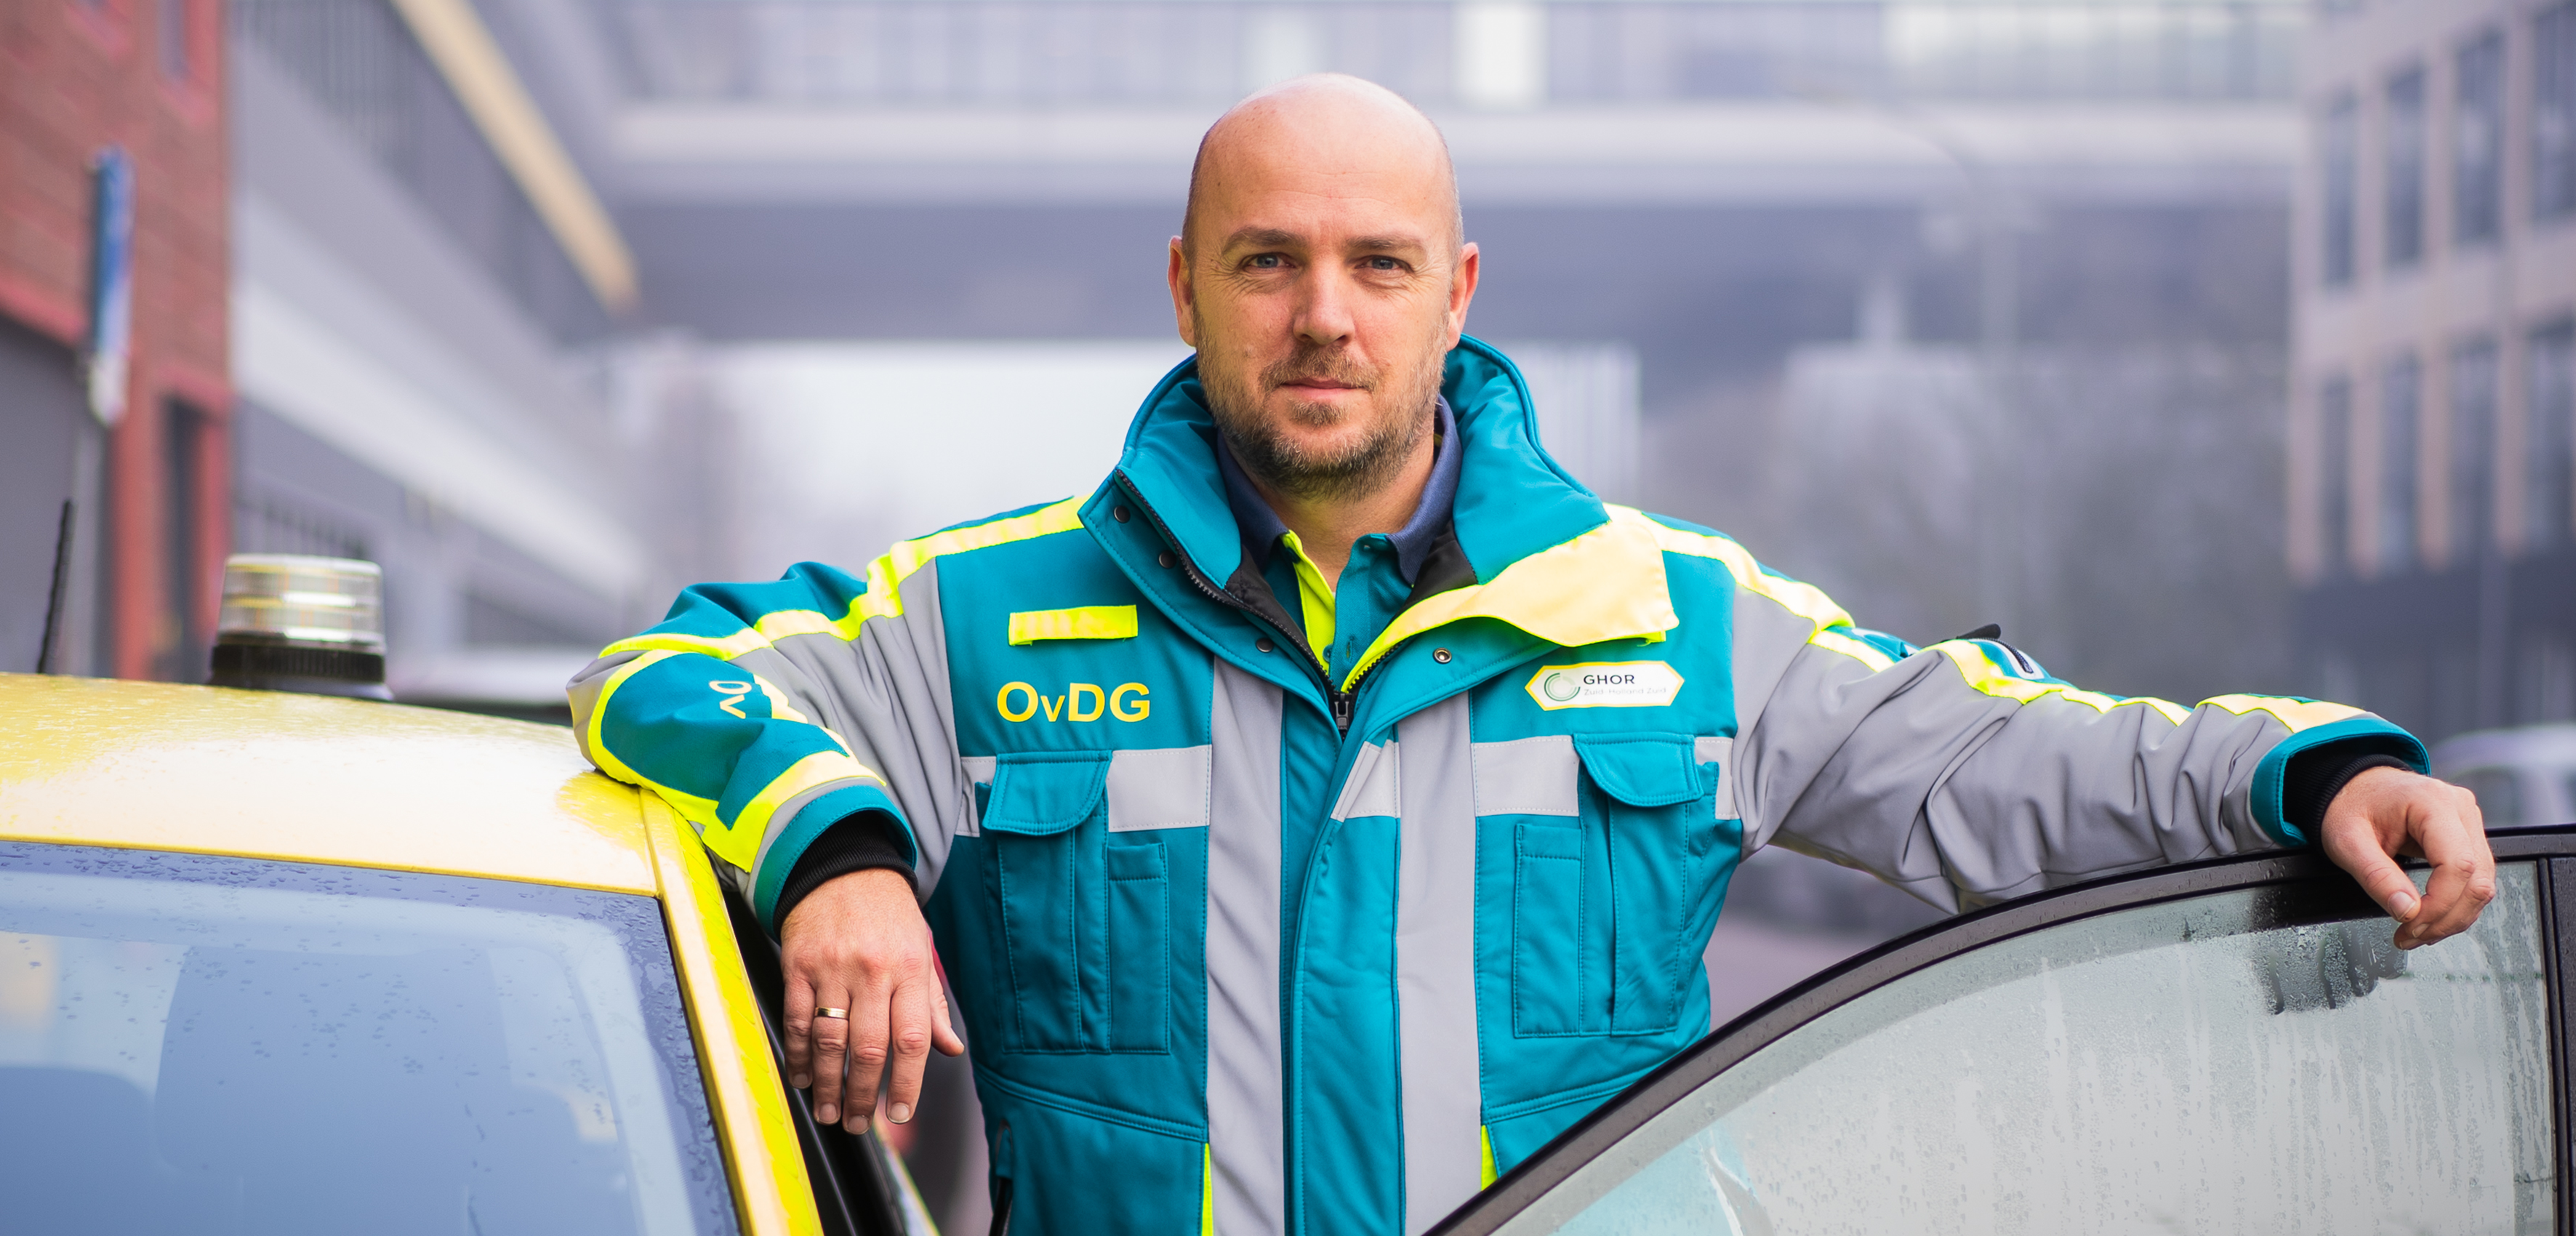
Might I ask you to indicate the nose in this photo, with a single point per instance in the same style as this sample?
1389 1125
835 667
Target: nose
1324 305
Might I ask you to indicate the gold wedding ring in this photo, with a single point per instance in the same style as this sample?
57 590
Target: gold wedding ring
843 1014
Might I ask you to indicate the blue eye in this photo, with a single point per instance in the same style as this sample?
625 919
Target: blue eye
1383 263
1266 261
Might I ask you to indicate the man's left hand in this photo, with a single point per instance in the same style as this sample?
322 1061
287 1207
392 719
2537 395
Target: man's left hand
2386 812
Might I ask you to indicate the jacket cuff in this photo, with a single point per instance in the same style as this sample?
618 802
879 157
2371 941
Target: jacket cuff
780 857
863 842
2316 777
2301 773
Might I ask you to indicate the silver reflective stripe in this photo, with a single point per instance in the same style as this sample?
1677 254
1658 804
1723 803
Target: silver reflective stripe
1371 788
1154 787
1246 1138
1721 752
1165 787
917 665
1526 776
979 771
1435 966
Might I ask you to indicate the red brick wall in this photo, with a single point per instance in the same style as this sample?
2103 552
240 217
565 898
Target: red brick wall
76 75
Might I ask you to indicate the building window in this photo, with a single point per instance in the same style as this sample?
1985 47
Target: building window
2404 166
2400 403
2477 143
2553 113
2342 147
2552 437
2473 445
2334 474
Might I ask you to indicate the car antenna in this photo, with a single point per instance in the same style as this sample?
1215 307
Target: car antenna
54 598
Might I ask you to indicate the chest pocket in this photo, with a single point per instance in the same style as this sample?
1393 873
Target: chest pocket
1611 904
1086 916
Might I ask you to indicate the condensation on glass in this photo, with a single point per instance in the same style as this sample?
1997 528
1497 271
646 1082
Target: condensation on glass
2190 1067
220 1045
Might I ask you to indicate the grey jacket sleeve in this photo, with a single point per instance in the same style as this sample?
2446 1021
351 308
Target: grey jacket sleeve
1965 775
766 713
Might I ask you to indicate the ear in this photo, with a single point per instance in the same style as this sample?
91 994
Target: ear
1184 294
1462 289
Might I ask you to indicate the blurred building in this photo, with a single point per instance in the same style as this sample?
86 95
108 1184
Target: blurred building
423 300
1710 184
128 95
2432 504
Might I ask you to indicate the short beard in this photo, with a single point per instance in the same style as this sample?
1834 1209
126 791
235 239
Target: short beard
1265 450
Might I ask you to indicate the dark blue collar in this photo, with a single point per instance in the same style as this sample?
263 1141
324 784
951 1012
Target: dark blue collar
1262 527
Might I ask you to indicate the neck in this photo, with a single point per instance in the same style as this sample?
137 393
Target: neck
1327 527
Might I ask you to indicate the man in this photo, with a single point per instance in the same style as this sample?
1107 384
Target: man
1335 804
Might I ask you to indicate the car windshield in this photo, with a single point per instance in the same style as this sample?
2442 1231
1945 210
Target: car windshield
2231 1062
202 1044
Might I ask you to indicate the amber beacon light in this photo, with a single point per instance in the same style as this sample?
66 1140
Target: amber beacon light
296 623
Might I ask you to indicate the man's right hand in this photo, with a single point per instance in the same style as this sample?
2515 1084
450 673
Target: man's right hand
859 943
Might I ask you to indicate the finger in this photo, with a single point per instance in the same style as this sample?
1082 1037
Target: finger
911 1026
831 1055
2463 879
870 1017
943 1033
2386 882
800 1030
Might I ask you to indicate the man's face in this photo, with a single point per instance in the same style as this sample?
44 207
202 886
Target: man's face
1323 285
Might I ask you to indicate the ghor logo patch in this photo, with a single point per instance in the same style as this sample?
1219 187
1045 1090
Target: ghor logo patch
1599 684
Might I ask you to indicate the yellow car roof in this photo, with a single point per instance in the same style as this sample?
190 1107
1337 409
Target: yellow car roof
267 774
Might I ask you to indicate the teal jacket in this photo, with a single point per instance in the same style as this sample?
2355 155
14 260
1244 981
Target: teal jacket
1241 948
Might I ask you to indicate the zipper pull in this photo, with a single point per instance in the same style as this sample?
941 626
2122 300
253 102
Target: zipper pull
1342 701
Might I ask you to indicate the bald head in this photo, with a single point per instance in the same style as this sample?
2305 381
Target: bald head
1326 132
1322 278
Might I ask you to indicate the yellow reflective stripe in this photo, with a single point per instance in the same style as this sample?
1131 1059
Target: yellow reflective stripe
1207 1189
1851 646
722 648
884 595
1983 675
1606 584
1315 598
1028 626
697 811
2297 714
887 573
740 844
1485 1134
1805 600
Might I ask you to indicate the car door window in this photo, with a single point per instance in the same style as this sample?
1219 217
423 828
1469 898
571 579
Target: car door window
2239 1061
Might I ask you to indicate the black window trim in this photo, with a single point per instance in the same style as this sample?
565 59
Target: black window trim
2328 887
855 1190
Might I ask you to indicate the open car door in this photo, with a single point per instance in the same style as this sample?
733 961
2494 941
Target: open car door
2231 1046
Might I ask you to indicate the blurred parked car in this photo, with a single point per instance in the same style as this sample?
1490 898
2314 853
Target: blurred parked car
282 964
2521 776
2224 1047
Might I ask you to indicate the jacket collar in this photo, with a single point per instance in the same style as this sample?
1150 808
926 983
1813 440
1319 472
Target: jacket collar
1543 551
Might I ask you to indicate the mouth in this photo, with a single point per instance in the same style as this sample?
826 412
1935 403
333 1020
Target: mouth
1306 385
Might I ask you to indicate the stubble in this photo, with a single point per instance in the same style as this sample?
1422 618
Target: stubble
1401 404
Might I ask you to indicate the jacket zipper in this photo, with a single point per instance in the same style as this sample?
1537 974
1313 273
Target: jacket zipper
1343 703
